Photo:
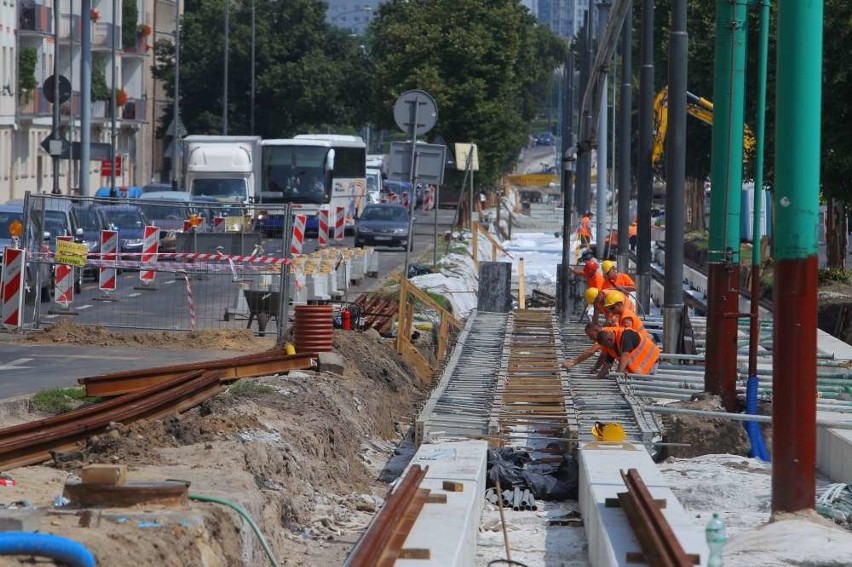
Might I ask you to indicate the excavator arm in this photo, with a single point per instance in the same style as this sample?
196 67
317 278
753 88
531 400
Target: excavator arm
697 107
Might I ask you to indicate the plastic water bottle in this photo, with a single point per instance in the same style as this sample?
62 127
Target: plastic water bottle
716 539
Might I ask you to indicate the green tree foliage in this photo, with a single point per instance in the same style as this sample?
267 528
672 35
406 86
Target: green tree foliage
486 63
309 75
129 19
27 60
837 101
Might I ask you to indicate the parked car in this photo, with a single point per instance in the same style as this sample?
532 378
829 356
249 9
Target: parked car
41 270
130 222
167 210
87 223
382 225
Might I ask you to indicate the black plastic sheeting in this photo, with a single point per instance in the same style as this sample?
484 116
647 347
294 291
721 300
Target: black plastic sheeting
510 466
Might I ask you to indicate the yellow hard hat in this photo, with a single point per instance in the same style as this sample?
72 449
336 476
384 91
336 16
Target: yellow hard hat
612 297
591 294
609 432
607 265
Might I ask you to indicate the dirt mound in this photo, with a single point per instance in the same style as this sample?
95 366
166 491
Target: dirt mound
705 436
137 443
374 357
64 331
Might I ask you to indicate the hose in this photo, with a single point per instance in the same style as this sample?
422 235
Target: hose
245 515
60 549
758 447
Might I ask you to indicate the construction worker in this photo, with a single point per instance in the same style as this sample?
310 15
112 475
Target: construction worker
584 233
590 272
591 330
616 280
635 351
632 233
620 314
597 297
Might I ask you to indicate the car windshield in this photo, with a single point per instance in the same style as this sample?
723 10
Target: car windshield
125 218
157 211
384 214
220 188
88 220
54 227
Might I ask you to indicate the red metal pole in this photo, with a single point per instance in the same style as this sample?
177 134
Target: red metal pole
720 375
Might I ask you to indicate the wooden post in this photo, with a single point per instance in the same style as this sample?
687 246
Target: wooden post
475 245
522 299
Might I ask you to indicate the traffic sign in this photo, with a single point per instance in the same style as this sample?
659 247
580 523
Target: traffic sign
106 169
415 109
64 89
431 162
181 129
58 148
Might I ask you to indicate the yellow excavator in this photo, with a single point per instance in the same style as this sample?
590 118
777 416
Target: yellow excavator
696 106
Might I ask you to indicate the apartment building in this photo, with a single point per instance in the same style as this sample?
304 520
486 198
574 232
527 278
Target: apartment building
122 48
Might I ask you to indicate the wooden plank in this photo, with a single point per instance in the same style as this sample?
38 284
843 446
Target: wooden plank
415 553
522 296
452 486
168 493
403 526
104 474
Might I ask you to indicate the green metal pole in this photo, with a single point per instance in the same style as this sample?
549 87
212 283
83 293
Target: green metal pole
727 173
760 127
797 163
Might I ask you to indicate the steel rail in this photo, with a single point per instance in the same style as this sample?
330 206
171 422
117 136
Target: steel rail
247 366
382 542
659 544
32 442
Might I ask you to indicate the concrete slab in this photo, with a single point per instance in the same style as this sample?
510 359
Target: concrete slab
449 530
834 451
20 520
609 534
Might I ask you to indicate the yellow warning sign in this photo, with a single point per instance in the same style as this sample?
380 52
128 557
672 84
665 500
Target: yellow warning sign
71 253
533 179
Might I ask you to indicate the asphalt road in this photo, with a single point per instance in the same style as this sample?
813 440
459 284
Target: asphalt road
27 368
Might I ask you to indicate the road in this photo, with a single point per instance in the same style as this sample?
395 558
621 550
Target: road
27 368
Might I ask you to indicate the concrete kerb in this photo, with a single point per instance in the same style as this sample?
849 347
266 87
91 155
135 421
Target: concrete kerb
449 530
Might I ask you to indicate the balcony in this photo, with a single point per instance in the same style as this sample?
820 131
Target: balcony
33 105
103 34
69 27
140 49
133 110
35 20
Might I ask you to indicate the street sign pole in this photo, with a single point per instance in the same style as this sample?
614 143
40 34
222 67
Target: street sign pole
414 113
56 102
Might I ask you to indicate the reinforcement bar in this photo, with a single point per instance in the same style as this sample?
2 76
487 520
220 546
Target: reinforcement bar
659 543
248 366
381 545
33 442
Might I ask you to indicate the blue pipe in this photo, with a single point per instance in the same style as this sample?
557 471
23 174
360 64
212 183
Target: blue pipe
58 548
758 447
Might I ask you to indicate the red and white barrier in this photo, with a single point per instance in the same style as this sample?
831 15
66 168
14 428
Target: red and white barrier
187 225
199 256
190 302
218 223
339 222
150 247
298 234
394 198
14 260
429 199
63 275
109 249
405 201
322 237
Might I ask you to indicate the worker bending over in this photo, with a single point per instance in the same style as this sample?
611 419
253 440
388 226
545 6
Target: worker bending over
634 351
597 298
591 330
619 313
590 272
616 280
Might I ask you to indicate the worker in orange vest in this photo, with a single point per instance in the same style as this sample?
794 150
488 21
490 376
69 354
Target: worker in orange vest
591 330
619 313
597 297
614 279
584 233
590 272
635 352
632 233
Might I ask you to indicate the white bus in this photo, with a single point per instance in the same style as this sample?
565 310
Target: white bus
349 176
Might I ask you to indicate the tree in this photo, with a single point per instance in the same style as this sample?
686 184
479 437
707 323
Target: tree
486 63
129 19
836 174
309 75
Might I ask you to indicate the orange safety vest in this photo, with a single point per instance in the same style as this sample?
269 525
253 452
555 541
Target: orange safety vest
628 313
585 227
623 280
643 358
595 280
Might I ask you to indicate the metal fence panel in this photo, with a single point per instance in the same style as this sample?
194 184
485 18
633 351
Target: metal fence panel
211 269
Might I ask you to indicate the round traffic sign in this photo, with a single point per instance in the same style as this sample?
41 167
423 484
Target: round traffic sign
415 112
64 89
